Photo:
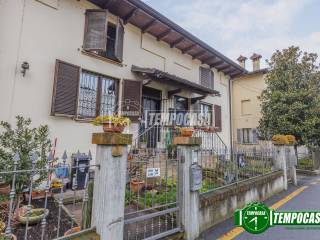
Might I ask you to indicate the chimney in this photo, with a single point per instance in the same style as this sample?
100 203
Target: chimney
242 61
255 61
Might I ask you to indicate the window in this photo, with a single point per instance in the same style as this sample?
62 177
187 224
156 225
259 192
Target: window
78 93
247 136
97 95
206 114
245 107
101 37
206 77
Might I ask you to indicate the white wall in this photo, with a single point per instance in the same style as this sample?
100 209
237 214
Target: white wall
40 34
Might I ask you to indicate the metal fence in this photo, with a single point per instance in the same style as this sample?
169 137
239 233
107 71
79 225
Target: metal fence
305 161
49 202
151 198
219 170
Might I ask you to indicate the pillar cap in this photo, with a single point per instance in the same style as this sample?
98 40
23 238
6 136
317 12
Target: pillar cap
187 141
111 139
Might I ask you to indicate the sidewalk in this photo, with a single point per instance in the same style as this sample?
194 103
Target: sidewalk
228 225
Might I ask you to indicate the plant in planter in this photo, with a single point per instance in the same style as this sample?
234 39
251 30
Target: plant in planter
4 237
186 132
112 123
35 216
136 185
22 141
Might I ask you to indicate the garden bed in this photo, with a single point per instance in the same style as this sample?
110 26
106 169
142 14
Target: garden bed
34 231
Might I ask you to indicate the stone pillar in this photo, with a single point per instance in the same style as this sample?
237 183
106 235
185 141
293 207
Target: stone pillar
188 148
110 183
279 162
286 160
316 158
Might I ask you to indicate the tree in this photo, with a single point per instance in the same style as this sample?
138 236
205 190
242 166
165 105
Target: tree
290 103
23 140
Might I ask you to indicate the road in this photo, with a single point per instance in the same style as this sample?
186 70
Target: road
305 196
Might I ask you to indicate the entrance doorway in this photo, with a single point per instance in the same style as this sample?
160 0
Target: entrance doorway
151 103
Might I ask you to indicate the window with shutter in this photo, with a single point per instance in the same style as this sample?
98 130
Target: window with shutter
65 91
254 136
103 38
206 77
131 99
97 95
239 136
119 41
206 114
95 36
217 117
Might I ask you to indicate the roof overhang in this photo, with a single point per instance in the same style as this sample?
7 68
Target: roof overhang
171 79
150 21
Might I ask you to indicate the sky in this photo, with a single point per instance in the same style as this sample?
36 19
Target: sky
235 27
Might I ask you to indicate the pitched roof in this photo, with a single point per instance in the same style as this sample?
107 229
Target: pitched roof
150 21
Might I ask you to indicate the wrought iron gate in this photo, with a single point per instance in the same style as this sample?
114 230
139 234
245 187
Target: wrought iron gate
152 194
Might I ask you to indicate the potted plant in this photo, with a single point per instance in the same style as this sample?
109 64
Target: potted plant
136 185
10 237
5 188
186 132
17 144
35 216
112 123
72 230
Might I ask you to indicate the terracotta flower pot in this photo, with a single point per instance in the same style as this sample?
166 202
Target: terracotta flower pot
4 188
110 127
136 185
13 237
186 132
72 230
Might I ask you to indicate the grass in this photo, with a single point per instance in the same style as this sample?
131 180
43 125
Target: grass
306 164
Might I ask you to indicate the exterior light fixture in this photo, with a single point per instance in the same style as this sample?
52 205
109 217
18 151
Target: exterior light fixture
24 67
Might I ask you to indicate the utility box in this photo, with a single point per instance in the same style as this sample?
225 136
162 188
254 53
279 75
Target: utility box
83 170
195 177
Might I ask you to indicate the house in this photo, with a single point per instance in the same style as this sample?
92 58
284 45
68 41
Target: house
64 62
246 109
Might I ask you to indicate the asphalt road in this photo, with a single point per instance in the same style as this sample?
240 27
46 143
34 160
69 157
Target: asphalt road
308 199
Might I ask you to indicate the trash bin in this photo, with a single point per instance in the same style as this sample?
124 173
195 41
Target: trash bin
83 169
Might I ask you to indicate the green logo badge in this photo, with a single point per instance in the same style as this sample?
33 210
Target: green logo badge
256 218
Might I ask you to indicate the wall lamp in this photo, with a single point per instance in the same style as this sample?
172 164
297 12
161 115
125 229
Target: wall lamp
24 67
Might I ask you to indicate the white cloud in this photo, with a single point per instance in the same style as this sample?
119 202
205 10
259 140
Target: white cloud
245 26
232 17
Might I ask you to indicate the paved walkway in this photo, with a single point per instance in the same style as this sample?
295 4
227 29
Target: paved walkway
306 196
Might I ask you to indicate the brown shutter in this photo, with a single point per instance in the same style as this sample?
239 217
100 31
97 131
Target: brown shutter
131 97
212 79
206 77
119 41
217 117
95 34
65 90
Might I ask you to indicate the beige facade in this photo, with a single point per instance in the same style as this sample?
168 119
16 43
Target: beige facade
246 110
42 31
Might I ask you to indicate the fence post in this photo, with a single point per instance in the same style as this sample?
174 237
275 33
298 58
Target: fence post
110 184
188 148
280 162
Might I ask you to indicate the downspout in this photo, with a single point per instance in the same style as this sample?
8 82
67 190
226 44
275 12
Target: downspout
230 117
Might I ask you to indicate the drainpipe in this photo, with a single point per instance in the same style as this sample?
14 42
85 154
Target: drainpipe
230 116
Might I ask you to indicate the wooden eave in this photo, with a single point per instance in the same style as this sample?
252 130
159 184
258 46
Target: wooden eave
150 21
